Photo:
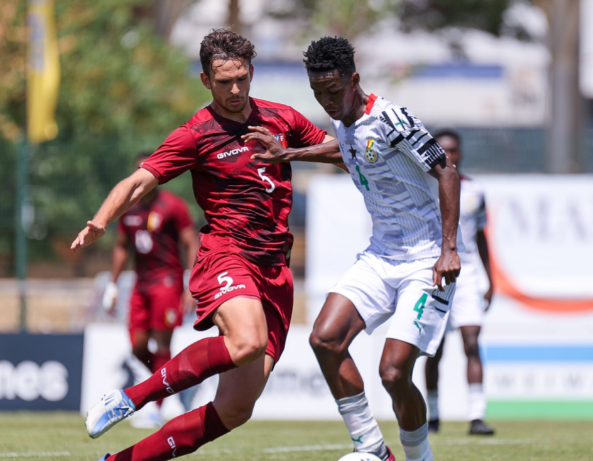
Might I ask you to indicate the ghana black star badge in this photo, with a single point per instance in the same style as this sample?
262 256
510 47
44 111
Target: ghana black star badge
352 151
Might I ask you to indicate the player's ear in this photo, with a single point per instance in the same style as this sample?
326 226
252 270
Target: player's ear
355 79
205 80
251 68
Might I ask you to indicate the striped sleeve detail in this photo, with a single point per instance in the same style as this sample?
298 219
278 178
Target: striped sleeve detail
407 134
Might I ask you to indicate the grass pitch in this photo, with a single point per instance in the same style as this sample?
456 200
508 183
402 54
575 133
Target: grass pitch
53 436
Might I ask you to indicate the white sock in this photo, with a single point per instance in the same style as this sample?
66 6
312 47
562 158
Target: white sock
477 402
416 444
363 428
433 404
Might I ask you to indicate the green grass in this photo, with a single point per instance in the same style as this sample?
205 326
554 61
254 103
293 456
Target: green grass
33 434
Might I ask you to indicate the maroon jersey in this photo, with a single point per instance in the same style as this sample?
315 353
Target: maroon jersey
246 202
153 231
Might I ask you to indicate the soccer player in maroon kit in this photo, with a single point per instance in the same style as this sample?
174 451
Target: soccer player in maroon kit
154 227
241 279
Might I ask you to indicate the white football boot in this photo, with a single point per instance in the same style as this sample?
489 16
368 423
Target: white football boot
113 408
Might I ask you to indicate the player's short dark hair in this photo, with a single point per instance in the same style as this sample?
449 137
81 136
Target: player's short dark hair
329 54
448 132
142 155
226 45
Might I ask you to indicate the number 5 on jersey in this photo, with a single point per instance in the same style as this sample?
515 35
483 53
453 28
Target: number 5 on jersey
264 178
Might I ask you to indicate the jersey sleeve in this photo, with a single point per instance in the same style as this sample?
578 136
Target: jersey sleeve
481 212
407 134
304 133
176 155
182 217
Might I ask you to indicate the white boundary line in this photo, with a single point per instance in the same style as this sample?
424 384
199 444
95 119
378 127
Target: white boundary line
304 448
42 454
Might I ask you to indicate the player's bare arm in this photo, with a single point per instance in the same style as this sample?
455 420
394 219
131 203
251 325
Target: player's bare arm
448 265
327 152
190 241
123 196
482 243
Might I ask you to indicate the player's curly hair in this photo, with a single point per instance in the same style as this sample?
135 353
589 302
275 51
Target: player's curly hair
448 132
226 45
330 53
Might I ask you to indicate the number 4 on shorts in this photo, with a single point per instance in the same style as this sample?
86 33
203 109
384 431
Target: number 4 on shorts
419 307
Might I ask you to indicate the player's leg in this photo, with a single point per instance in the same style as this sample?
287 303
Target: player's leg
243 339
397 364
334 330
360 300
431 371
139 327
237 393
416 328
477 400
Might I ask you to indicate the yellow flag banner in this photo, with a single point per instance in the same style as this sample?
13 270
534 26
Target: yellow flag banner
43 72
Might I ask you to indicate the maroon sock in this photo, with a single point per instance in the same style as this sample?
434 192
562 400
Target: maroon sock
159 361
191 366
180 436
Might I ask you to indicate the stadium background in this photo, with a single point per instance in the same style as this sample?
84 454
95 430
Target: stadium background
129 75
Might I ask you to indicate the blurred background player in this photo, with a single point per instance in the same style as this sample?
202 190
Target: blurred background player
469 305
154 228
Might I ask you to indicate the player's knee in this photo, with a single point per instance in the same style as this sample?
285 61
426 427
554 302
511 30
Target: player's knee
393 379
235 417
248 350
472 348
324 341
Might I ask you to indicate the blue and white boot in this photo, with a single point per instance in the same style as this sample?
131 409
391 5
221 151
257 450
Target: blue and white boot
113 408
104 458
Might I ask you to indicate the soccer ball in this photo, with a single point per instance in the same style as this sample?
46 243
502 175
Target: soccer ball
356 456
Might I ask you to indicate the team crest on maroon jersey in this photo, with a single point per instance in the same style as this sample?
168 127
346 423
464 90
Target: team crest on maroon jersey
281 138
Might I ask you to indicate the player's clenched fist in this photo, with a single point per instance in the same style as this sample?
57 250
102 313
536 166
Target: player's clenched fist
88 235
448 267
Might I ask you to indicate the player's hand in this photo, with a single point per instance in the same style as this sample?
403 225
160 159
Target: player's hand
88 235
447 267
488 298
110 297
189 303
275 152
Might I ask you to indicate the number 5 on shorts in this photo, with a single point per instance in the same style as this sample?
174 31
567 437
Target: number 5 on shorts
222 278
419 307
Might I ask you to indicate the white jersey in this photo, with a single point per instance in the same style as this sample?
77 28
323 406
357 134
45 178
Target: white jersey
389 152
472 218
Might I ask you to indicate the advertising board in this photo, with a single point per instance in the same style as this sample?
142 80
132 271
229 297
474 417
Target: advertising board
40 372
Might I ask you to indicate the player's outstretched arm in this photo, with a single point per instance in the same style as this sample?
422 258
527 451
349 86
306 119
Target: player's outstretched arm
119 200
448 265
327 152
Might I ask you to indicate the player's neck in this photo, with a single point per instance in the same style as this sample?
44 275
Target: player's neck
240 117
358 107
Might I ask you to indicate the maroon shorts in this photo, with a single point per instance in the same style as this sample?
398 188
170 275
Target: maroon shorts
156 307
218 277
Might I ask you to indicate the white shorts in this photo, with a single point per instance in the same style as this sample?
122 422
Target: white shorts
381 288
468 305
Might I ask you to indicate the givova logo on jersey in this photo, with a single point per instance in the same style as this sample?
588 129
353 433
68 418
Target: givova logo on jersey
369 153
223 278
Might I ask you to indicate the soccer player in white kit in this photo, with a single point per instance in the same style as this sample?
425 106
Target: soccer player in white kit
469 305
411 190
